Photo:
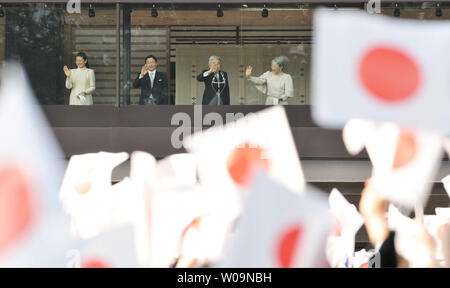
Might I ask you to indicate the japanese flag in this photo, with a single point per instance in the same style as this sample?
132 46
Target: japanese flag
379 68
228 156
404 160
182 220
142 174
442 212
405 229
176 170
191 223
280 228
206 236
34 231
112 249
409 239
347 222
88 196
437 225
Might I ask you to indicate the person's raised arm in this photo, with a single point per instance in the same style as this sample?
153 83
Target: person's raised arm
68 78
373 208
202 76
137 81
261 80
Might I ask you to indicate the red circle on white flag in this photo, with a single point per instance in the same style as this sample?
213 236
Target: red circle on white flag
288 245
95 263
406 149
336 228
391 75
244 161
16 205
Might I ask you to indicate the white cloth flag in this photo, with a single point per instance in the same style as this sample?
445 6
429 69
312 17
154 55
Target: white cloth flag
436 225
228 156
380 68
280 228
142 174
176 170
88 196
112 249
34 231
176 226
404 161
187 221
443 212
409 239
347 221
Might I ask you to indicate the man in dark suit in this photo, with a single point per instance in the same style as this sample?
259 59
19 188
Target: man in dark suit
153 84
217 87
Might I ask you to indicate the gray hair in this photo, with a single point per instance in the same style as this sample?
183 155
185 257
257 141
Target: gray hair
211 58
281 61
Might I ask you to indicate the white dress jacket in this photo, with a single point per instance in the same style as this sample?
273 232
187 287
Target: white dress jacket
81 80
278 88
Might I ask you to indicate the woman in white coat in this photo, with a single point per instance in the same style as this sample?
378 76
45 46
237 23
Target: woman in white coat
81 81
277 85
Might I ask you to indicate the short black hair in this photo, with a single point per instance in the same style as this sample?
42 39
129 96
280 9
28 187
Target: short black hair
151 56
84 56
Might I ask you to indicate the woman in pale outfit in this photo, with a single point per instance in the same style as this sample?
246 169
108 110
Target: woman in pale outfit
277 85
81 81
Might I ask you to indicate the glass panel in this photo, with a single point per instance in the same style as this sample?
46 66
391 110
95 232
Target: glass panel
149 37
243 35
189 34
181 36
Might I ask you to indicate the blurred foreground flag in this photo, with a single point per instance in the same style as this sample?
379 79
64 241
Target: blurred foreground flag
280 228
404 161
94 204
437 225
379 68
176 170
229 156
33 229
347 222
410 240
176 220
112 249
443 212
142 175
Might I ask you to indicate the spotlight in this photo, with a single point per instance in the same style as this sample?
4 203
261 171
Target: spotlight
91 11
219 12
154 12
396 11
2 13
438 10
265 12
